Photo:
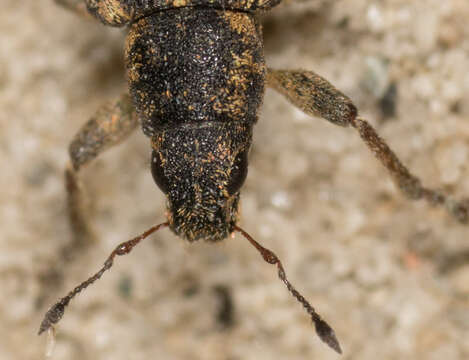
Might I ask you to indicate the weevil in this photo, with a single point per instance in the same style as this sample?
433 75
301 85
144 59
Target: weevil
196 75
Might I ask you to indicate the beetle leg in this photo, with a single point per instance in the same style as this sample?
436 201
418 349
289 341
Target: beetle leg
109 12
317 97
76 6
111 124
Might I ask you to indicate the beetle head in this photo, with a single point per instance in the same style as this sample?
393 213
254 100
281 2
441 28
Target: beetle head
201 170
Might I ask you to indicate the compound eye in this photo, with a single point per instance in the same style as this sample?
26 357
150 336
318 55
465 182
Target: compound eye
158 173
238 174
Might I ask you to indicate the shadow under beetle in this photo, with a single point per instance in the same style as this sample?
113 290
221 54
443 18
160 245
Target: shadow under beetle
196 75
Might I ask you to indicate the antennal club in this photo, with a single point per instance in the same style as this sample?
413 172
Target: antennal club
324 331
55 313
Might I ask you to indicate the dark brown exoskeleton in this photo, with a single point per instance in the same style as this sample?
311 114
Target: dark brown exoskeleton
196 75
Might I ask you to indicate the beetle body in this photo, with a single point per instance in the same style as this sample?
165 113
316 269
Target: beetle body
196 76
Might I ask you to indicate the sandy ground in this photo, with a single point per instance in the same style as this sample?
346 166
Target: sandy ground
391 276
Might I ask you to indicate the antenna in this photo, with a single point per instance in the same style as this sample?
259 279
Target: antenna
323 329
55 313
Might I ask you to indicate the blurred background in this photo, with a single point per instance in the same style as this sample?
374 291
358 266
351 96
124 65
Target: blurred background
390 276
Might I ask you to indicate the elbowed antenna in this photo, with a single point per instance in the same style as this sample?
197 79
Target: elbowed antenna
324 331
55 313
